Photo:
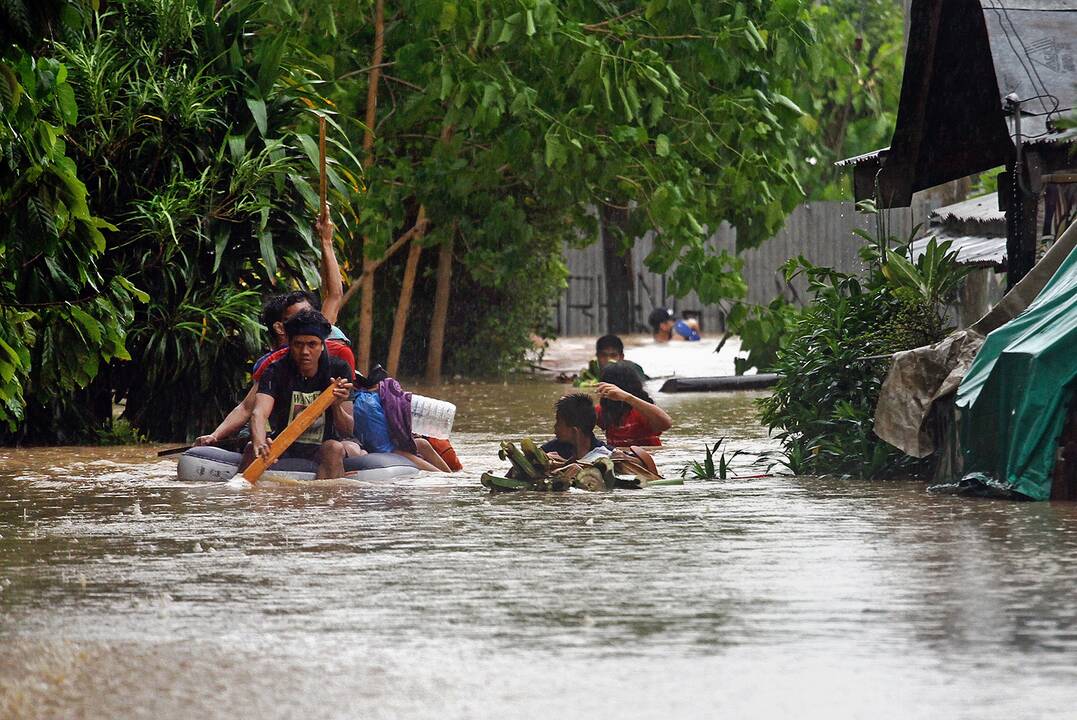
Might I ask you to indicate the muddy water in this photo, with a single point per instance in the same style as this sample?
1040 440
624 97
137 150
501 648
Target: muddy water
124 594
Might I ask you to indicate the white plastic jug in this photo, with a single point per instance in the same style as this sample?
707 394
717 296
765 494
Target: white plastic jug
430 417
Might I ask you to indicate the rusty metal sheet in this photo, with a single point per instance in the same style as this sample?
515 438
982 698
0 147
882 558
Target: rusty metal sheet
870 156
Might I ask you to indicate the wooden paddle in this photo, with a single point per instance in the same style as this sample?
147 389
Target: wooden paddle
174 451
227 442
290 434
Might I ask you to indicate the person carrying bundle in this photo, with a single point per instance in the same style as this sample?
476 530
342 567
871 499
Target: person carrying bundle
574 432
574 458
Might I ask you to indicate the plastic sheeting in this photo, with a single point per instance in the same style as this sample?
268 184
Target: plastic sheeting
917 380
1013 401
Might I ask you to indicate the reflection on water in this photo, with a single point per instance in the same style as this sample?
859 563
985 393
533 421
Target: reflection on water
126 594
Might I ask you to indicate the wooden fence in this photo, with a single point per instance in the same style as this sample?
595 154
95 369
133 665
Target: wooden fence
821 231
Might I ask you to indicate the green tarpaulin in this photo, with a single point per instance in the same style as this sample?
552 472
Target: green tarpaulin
1013 401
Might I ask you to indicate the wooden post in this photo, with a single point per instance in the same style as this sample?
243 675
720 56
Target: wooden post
441 313
1021 211
366 306
400 320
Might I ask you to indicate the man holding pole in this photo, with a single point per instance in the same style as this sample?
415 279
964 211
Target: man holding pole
291 383
281 308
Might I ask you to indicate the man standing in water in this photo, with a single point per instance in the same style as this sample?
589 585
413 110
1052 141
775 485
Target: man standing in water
291 383
667 327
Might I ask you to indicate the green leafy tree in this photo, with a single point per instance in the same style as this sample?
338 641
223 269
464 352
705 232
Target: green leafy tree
61 317
849 89
163 144
677 113
196 140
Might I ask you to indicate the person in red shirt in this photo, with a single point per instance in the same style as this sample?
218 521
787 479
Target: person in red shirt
625 410
279 310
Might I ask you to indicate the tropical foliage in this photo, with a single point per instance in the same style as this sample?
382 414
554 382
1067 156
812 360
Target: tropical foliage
61 318
715 465
196 140
162 145
851 91
158 158
837 355
509 123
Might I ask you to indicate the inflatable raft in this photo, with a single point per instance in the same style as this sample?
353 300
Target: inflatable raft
213 463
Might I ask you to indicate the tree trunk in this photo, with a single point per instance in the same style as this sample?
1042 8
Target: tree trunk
441 313
620 274
402 309
366 310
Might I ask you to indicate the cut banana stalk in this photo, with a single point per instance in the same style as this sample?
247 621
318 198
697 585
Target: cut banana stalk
535 454
590 479
521 463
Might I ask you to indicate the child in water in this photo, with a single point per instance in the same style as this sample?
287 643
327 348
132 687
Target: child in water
574 428
666 327
608 349
625 410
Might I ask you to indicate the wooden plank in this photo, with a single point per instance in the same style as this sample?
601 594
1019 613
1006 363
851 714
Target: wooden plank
289 435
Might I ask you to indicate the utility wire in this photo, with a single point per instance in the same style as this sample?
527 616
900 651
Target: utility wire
1004 18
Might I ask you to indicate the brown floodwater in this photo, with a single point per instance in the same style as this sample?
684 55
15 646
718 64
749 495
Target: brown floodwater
125 594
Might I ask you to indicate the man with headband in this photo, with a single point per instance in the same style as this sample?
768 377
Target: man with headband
291 383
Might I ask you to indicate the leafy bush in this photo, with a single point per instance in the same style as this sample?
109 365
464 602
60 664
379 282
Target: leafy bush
61 317
763 331
165 144
837 356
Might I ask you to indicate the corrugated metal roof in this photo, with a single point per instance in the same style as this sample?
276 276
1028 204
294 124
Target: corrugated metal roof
848 162
1031 4
982 250
964 57
981 209
1034 50
1052 137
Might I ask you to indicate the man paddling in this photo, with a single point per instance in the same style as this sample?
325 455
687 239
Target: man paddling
291 383
277 311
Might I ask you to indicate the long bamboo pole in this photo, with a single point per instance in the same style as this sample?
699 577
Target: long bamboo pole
323 185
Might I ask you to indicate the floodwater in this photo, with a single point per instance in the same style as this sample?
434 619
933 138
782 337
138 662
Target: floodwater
125 594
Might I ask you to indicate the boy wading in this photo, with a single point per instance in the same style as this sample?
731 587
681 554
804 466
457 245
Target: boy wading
295 381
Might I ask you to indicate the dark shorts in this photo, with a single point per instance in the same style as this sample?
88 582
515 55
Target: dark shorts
302 451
